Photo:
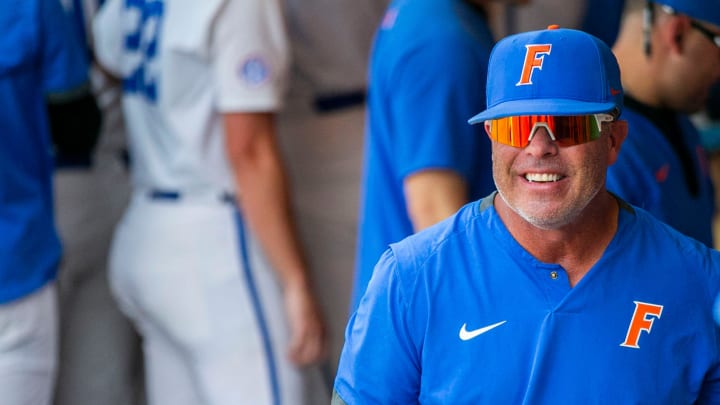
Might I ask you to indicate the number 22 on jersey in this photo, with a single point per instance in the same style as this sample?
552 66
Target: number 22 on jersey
141 47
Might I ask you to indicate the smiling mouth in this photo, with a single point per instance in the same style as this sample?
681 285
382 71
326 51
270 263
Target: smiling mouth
542 177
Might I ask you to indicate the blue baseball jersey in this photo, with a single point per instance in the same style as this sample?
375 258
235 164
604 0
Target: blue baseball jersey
39 55
427 77
462 314
649 174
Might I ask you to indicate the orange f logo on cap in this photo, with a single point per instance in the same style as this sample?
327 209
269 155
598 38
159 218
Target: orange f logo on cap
534 58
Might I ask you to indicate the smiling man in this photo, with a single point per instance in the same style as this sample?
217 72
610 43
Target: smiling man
552 289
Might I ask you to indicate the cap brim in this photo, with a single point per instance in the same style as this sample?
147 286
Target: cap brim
542 107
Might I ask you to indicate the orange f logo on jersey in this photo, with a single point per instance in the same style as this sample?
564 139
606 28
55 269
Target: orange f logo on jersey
534 58
642 320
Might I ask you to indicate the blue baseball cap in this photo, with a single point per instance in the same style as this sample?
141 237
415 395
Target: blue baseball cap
703 10
555 71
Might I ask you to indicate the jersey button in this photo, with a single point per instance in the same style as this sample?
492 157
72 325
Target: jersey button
554 275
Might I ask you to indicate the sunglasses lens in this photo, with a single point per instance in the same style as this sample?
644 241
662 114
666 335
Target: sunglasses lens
508 131
565 130
575 130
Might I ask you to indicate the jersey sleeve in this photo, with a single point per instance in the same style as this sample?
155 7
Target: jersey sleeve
64 59
380 362
250 56
436 87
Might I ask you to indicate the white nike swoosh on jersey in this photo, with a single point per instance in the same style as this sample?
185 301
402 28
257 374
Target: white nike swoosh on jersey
467 335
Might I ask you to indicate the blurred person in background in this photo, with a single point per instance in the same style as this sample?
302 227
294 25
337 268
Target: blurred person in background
43 78
669 55
205 260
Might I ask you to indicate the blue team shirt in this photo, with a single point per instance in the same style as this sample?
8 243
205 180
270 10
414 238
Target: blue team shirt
602 19
39 55
529 338
427 76
649 174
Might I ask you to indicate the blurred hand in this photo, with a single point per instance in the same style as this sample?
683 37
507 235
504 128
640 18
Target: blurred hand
308 340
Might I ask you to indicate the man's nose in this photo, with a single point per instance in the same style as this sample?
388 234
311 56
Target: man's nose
541 143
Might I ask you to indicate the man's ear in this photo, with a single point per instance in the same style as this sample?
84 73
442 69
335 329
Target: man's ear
673 32
617 135
487 128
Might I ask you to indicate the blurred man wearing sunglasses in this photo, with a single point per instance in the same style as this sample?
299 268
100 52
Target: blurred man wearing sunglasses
552 289
669 55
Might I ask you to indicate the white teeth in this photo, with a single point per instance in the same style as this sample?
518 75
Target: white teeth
542 177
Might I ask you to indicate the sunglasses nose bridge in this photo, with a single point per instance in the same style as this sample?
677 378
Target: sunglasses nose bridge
536 127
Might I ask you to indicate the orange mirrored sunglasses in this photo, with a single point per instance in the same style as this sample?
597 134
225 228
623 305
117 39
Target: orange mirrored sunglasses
566 130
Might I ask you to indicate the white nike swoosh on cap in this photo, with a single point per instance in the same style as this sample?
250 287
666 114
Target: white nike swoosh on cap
467 335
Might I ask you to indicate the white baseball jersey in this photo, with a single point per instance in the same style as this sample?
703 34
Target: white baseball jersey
183 63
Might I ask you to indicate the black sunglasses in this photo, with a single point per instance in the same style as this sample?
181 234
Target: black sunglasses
713 36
